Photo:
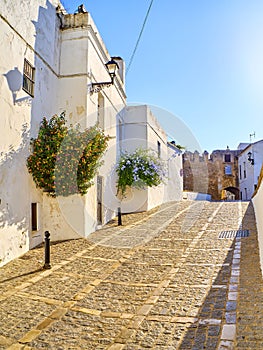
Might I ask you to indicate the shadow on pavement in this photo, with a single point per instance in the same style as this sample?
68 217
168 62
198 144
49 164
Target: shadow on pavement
250 301
245 313
22 275
205 333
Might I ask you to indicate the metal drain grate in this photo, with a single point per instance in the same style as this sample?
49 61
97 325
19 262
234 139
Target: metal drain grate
234 234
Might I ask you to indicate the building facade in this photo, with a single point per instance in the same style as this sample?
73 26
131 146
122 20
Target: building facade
52 62
139 128
250 162
49 60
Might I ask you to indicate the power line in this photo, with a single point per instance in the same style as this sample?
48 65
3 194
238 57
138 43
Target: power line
139 38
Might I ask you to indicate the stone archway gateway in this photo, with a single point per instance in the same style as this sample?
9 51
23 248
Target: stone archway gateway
230 193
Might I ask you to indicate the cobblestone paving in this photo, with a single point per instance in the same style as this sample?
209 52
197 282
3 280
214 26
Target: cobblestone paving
164 280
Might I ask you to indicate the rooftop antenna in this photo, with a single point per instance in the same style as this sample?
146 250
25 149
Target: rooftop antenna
251 135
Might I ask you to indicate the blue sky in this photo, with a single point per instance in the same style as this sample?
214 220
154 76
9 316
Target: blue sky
202 61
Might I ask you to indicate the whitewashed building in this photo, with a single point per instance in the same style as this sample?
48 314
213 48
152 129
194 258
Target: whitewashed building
250 162
48 62
52 62
138 128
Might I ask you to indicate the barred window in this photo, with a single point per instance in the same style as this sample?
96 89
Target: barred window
28 78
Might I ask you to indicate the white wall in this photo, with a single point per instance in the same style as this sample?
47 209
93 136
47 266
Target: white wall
155 135
66 62
258 207
195 196
114 100
257 154
174 187
247 185
28 30
68 208
82 61
142 129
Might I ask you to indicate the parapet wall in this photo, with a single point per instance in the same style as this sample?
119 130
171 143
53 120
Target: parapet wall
215 156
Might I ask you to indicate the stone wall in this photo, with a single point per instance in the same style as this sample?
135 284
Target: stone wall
216 175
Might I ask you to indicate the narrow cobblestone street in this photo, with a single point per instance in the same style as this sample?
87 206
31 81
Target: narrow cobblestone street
161 281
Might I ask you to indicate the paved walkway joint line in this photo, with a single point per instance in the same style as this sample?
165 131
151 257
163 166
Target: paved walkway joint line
163 281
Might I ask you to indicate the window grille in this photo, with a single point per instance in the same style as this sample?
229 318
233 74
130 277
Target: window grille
28 78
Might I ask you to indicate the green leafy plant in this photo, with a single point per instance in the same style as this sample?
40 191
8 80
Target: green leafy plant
65 160
139 169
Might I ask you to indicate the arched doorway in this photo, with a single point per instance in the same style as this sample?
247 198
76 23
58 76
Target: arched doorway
230 193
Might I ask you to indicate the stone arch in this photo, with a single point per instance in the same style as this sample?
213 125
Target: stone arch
230 193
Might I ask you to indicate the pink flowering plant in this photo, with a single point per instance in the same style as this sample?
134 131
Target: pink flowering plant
139 169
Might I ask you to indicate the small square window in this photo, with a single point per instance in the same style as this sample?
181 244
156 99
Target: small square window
28 78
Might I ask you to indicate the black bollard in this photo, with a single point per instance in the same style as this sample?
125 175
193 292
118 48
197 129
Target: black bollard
47 251
119 217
